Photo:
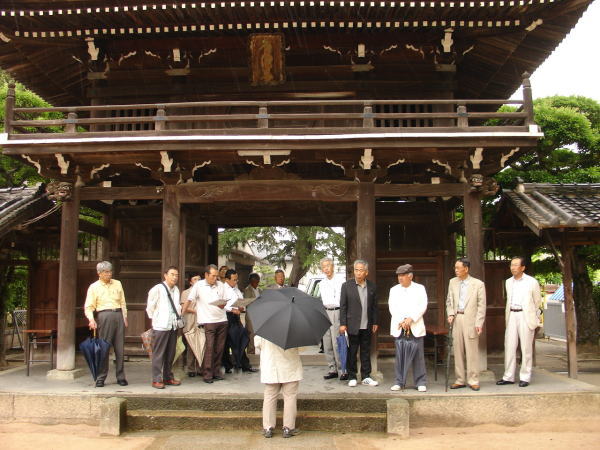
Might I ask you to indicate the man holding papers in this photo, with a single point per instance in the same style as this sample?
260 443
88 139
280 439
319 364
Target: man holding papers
210 313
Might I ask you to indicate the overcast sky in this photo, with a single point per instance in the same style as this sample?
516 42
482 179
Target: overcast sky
574 67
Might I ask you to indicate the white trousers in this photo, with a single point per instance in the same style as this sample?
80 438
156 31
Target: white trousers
517 332
330 342
290 393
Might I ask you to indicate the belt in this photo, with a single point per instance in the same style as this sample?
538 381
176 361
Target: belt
332 309
111 310
460 312
515 310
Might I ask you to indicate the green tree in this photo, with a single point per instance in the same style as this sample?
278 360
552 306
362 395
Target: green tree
568 153
303 246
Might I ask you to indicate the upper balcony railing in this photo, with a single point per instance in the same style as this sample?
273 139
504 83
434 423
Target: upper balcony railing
269 117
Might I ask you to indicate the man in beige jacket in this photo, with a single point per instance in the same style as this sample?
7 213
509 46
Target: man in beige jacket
465 306
523 300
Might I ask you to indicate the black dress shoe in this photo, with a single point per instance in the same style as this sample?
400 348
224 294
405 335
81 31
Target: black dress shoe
503 382
122 383
330 375
208 381
218 378
344 377
228 370
523 383
249 370
191 374
100 383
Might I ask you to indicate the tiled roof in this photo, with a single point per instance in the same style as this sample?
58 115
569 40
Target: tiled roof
19 204
545 205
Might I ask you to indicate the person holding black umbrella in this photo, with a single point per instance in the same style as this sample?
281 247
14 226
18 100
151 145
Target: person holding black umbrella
106 299
358 316
408 303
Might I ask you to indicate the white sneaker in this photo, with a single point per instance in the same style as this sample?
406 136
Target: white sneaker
370 382
395 387
352 383
422 389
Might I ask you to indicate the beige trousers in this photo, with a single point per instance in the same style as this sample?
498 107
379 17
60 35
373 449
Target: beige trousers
289 392
517 332
465 350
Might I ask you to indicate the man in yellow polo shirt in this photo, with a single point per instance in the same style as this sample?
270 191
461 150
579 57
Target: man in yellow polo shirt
105 297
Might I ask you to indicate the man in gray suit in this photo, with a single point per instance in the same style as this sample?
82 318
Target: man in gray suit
523 300
465 306
358 317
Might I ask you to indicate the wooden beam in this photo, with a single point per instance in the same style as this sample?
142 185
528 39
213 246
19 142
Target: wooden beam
67 283
420 190
570 318
122 193
271 190
171 228
473 233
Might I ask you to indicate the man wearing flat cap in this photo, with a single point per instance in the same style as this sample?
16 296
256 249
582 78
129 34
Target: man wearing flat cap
465 306
408 303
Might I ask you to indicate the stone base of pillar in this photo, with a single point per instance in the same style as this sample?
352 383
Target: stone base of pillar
65 375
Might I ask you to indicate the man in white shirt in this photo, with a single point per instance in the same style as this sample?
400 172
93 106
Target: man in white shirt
237 336
214 320
330 288
163 308
408 303
523 300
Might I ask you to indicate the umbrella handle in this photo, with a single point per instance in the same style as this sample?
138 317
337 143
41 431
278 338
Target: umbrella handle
94 333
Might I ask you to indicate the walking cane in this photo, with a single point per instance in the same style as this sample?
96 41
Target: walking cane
448 351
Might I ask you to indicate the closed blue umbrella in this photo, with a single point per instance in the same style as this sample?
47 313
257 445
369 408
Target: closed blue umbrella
95 350
342 343
406 349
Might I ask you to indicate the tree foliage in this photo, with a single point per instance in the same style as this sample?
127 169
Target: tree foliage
303 247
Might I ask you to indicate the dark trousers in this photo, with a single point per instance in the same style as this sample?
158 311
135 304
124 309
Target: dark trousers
233 346
417 362
164 344
362 340
111 328
216 334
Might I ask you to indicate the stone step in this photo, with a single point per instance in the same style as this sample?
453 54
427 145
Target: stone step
146 419
356 404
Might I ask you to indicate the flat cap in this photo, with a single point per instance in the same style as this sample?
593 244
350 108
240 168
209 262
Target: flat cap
405 268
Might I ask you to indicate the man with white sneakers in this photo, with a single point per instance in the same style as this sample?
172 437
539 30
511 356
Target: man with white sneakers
358 316
408 303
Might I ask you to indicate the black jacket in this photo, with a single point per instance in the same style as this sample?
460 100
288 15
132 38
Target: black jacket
351 308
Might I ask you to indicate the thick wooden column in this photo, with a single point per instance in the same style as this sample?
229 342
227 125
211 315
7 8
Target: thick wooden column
67 282
365 227
570 318
474 238
170 228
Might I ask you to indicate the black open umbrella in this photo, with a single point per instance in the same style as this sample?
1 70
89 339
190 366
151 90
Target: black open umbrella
406 349
95 350
288 317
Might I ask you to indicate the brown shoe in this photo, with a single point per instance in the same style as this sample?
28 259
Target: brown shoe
158 385
173 382
457 386
474 387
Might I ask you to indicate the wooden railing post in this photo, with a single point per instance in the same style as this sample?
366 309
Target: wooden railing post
71 123
463 120
160 119
263 117
368 121
8 108
527 99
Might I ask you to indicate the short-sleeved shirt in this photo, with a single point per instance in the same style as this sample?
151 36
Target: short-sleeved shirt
101 296
204 294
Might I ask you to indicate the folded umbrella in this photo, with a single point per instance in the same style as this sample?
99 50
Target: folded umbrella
288 317
342 343
196 340
406 349
94 350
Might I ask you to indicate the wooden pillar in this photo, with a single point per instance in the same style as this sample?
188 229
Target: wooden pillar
170 228
570 318
474 237
365 226
67 282
365 247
